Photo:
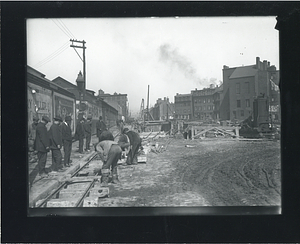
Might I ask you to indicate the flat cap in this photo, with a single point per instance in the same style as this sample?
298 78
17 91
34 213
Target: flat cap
46 118
68 118
58 118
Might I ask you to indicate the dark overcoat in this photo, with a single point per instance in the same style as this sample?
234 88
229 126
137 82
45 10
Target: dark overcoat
55 136
66 132
79 133
101 126
135 142
42 138
88 127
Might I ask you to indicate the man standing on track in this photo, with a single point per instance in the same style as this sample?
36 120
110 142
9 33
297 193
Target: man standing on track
67 140
88 133
101 126
80 134
42 144
55 135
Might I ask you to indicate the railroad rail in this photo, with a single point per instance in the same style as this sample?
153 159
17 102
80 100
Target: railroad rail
74 191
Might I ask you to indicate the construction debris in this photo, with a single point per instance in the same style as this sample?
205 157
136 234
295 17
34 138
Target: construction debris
215 132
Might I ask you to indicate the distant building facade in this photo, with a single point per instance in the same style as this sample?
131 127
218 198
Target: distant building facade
203 105
119 98
183 106
91 105
163 109
241 85
234 98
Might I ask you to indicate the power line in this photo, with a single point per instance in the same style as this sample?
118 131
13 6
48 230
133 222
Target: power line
53 55
65 27
67 34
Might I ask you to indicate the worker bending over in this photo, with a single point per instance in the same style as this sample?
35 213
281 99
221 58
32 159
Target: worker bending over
110 153
130 141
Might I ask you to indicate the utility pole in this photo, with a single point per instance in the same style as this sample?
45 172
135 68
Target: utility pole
82 59
148 105
142 114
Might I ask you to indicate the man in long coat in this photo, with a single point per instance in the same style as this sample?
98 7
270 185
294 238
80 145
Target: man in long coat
55 135
67 140
101 126
88 133
42 144
80 134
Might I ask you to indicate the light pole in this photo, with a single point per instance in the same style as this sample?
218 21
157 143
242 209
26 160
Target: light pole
81 87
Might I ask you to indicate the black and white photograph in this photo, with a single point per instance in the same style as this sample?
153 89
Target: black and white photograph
153 112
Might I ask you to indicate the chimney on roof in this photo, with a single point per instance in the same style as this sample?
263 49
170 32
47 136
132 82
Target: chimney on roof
257 63
100 92
268 64
265 65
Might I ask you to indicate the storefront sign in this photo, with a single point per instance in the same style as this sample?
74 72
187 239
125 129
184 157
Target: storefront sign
39 103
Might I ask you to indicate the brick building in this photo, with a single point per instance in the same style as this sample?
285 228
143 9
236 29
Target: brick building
183 106
91 105
121 99
163 109
241 85
47 98
203 105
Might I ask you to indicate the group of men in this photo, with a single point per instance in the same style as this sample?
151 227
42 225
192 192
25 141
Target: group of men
59 136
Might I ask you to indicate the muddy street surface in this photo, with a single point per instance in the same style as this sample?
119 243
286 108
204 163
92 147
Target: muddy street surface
202 172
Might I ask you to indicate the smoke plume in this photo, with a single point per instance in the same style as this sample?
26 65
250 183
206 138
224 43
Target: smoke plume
170 56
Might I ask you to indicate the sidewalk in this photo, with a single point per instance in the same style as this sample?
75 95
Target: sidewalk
41 187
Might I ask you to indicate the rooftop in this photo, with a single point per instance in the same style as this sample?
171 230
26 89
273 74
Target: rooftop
244 71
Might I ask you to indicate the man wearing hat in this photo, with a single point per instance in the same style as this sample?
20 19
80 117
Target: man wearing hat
32 133
130 140
55 135
42 144
101 126
80 134
67 140
36 120
88 132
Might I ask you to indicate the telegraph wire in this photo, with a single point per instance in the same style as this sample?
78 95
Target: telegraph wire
67 34
53 55
66 28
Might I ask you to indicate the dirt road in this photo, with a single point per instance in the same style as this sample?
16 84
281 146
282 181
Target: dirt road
207 172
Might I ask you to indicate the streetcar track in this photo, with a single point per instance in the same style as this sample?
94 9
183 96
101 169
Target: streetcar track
73 180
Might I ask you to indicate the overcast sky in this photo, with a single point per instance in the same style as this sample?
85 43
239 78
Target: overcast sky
172 55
